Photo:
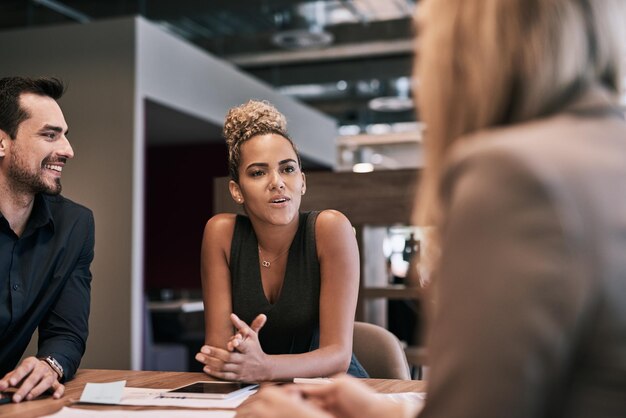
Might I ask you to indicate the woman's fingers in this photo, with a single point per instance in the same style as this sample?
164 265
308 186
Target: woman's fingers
214 352
234 342
214 358
224 375
241 326
247 335
244 329
220 363
258 323
245 346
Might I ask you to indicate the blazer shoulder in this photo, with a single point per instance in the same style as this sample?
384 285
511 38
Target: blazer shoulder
64 210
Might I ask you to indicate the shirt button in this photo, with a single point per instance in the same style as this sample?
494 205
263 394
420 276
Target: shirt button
16 286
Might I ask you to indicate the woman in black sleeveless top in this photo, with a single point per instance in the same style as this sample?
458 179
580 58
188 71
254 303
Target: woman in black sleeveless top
293 277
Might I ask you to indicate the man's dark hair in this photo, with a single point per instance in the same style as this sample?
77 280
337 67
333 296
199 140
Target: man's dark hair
11 114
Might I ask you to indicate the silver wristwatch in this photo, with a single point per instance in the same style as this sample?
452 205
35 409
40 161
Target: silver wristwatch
54 365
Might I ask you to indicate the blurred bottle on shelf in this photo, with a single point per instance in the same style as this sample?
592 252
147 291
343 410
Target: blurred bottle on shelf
411 248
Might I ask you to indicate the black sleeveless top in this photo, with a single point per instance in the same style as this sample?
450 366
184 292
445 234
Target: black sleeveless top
292 325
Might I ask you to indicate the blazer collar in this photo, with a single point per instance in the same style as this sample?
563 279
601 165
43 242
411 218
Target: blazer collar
595 101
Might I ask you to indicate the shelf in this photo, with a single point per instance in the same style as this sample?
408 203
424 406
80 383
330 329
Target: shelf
398 291
416 355
181 305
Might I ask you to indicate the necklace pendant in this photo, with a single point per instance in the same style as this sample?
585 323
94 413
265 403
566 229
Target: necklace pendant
266 264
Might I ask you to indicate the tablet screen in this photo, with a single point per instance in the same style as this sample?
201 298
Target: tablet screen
211 389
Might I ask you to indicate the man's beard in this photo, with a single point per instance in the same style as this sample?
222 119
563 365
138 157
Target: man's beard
23 180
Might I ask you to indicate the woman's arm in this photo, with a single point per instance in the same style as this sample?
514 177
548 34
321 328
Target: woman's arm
339 269
216 290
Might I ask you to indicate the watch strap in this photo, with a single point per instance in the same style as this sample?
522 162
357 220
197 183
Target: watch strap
54 365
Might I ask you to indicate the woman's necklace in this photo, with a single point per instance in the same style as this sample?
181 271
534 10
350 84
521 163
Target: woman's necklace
268 263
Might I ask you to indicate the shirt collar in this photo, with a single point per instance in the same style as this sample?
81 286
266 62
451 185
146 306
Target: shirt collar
40 216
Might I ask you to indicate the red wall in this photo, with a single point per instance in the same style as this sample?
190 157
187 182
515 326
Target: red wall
179 200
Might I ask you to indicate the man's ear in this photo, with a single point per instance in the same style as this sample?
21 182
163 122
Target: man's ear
4 143
235 192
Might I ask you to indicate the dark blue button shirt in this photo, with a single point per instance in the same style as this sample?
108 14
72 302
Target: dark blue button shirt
45 282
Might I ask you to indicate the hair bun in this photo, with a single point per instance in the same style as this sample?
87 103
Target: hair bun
253 118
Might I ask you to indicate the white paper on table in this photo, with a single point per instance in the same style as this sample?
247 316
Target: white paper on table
103 393
154 413
152 397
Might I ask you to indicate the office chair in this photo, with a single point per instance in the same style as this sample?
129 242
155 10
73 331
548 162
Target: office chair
161 356
379 352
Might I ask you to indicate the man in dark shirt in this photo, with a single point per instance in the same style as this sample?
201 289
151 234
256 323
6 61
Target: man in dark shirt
46 243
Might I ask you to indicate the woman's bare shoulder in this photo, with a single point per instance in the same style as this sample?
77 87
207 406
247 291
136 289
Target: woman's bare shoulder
332 224
220 226
331 218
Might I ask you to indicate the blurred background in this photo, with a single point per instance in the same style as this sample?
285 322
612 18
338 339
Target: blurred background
149 83
349 59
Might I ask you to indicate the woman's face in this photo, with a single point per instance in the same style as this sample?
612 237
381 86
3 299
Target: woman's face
270 180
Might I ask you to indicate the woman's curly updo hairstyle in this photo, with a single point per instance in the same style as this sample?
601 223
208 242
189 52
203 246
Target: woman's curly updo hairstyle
249 120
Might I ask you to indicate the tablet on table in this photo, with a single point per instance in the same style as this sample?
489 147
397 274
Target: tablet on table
210 390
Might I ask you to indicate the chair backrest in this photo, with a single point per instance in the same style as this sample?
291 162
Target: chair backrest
379 352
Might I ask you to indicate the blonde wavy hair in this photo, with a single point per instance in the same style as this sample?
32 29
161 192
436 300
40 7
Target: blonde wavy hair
248 120
488 63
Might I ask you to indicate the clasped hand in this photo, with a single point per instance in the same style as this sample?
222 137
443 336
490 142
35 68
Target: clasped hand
346 397
243 359
32 378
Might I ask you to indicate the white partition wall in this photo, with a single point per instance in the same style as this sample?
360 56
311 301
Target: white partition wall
178 74
110 68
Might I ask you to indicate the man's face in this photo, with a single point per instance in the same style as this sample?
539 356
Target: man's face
33 161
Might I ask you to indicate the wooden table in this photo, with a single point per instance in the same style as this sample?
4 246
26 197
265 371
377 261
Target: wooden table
157 380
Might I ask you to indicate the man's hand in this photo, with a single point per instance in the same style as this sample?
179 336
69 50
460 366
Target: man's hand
32 377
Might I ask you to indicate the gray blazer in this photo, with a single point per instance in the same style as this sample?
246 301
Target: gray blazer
531 315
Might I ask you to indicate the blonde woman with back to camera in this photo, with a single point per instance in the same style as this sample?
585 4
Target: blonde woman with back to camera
285 280
526 179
